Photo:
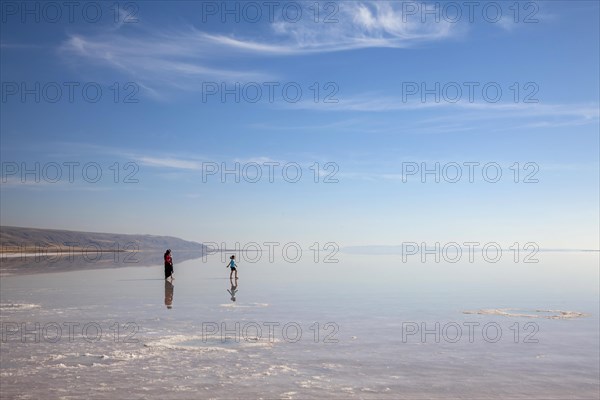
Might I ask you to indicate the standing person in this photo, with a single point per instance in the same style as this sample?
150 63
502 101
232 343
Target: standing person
233 267
168 265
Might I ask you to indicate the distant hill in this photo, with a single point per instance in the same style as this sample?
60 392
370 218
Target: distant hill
15 239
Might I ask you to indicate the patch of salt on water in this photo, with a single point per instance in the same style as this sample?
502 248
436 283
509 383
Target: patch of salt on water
276 369
63 366
515 312
17 306
120 355
248 305
368 390
175 343
56 357
180 388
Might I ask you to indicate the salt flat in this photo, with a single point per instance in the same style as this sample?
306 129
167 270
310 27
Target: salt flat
365 327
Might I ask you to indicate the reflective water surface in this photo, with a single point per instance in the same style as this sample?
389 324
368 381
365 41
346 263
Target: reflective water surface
367 327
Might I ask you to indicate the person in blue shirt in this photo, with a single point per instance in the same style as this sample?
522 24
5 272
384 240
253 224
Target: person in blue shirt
233 267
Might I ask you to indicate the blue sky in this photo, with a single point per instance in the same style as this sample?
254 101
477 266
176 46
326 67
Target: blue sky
371 129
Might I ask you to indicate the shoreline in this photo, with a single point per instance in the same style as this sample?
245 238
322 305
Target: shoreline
41 252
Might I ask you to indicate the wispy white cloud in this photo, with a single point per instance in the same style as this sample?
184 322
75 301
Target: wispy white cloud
184 163
371 113
172 60
358 25
507 23
176 163
257 160
308 128
530 114
376 102
370 176
183 57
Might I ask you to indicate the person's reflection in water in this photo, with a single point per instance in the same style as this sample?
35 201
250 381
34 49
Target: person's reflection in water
233 289
169 294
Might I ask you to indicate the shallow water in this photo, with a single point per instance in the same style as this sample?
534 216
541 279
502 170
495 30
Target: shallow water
352 329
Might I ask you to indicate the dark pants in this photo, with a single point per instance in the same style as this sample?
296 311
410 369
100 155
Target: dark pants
168 270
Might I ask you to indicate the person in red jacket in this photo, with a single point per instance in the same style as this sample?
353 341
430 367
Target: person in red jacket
168 265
